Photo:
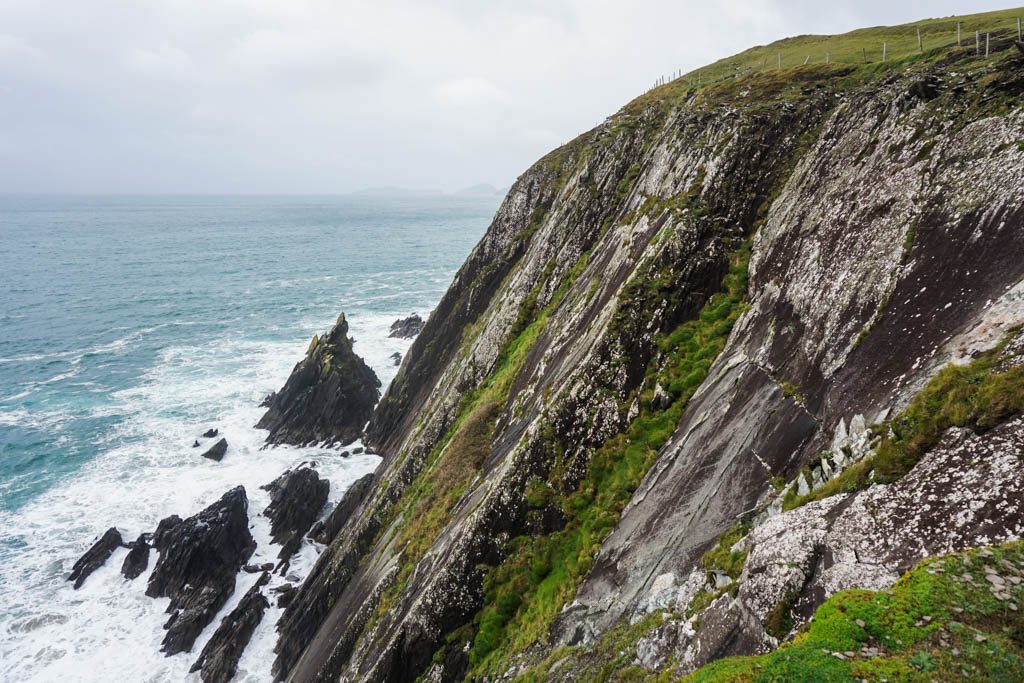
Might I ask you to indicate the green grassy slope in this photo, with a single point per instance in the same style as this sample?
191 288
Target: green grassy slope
865 46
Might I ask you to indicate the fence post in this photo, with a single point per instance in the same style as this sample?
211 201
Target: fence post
885 51
1018 29
920 45
977 42
865 55
958 34
986 45
828 59
780 61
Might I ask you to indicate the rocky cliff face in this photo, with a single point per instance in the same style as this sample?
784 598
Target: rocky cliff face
627 413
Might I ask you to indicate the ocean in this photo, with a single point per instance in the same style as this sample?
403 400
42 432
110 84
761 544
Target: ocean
130 325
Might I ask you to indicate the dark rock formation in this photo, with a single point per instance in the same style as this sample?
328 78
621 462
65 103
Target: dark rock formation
137 559
325 531
210 433
195 443
199 558
163 529
329 396
296 499
95 556
285 594
407 328
397 358
217 450
218 662
257 568
268 399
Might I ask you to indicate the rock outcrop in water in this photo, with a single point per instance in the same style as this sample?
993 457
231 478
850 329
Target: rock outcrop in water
95 556
329 396
296 499
216 451
137 559
199 558
407 328
647 359
218 661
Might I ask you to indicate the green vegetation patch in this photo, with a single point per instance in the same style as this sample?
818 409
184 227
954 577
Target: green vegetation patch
953 618
978 395
524 594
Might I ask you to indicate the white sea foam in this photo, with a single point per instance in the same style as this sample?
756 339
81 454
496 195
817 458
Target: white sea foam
109 629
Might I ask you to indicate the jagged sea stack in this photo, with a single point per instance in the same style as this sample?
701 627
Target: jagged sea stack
329 396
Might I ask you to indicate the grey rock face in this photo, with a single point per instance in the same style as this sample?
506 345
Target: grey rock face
964 493
846 304
329 396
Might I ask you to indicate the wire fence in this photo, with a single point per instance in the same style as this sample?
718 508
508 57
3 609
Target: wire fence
981 36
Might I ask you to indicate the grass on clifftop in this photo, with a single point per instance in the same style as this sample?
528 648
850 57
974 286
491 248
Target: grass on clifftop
863 46
959 617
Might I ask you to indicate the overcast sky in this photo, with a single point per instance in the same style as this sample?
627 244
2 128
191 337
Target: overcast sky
326 96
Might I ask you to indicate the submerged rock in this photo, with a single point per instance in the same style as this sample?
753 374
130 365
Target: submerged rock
296 499
407 328
199 558
210 433
325 531
96 556
217 450
137 559
329 396
397 358
218 661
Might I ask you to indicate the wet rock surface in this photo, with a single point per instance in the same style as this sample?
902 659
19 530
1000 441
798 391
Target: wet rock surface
199 558
329 396
407 328
137 559
325 531
95 556
296 499
216 451
218 662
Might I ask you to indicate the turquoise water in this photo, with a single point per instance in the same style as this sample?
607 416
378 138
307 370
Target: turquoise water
95 289
129 325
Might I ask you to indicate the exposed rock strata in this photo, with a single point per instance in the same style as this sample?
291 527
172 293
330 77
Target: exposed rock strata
889 219
329 396
198 560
